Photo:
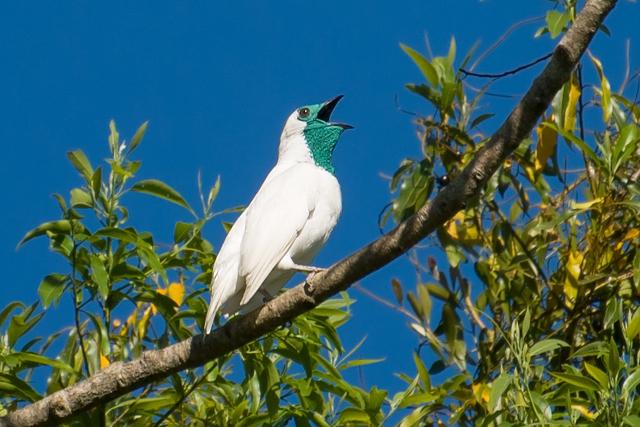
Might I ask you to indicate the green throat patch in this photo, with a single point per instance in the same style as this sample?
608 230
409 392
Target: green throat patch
321 140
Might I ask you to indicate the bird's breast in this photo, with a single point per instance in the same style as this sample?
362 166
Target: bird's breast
325 206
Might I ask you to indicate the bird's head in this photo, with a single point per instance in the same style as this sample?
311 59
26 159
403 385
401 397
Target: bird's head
312 125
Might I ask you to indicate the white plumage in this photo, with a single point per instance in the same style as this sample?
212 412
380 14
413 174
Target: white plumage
284 226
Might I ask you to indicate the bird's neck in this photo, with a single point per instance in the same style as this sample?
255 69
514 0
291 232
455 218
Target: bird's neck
311 146
321 142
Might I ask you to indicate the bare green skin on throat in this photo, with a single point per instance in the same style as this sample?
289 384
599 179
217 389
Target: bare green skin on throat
321 137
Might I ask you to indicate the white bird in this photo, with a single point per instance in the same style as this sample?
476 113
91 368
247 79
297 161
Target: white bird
288 220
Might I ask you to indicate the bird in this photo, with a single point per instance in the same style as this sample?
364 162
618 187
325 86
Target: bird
288 220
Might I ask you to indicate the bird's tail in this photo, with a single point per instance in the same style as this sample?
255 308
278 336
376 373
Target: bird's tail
214 305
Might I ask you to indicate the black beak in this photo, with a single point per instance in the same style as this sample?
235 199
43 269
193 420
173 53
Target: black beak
327 108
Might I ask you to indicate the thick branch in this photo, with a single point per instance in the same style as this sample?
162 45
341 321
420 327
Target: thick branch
121 378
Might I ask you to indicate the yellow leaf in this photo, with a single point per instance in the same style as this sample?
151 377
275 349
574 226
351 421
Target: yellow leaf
585 205
605 94
175 291
574 264
144 322
632 234
131 321
547 140
574 268
452 226
481 391
583 411
629 235
459 229
104 362
572 102
530 172
570 292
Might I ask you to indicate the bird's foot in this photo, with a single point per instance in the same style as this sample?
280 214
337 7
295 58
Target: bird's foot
307 281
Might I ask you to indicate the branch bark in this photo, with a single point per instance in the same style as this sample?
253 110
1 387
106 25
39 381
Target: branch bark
123 377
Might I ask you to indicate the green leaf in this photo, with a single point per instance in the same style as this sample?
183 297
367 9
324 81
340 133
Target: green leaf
17 387
61 226
612 313
100 276
355 416
439 291
80 198
545 346
51 289
428 71
118 234
152 260
360 362
213 193
38 359
481 118
588 151
114 138
137 137
556 21
625 145
497 389
181 231
526 323
159 189
417 399
80 161
451 55
96 182
633 327
103 335
425 300
631 383
8 309
423 373
596 348
319 420
21 323
597 374
632 420
579 381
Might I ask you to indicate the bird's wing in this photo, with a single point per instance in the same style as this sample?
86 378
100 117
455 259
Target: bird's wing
274 220
225 271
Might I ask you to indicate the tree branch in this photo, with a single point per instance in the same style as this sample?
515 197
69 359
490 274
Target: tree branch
123 377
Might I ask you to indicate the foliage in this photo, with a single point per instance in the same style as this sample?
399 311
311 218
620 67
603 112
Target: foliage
131 293
536 290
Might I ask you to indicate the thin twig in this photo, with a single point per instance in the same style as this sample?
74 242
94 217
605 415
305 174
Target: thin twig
473 313
506 73
385 302
491 94
179 402
76 310
129 407
496 209
627 66
502 38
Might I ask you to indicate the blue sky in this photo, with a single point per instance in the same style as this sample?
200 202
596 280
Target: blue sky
216 80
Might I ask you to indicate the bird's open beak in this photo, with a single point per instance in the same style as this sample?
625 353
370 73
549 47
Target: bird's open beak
327 108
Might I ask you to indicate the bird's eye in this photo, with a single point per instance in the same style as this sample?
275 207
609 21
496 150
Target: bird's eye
303 113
